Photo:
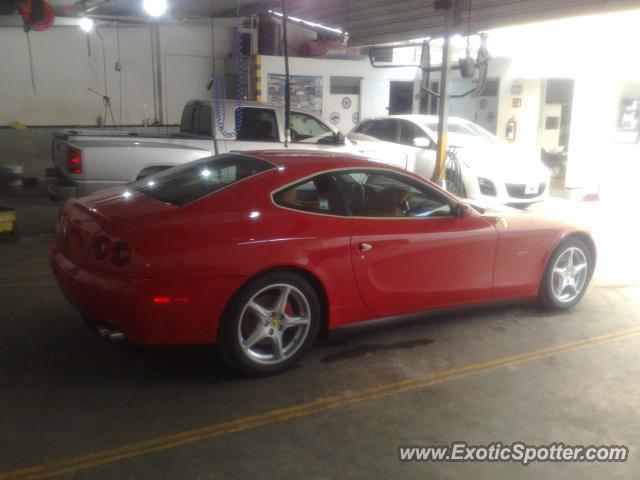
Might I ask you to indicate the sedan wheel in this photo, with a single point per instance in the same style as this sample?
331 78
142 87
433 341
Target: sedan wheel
271 324
567 275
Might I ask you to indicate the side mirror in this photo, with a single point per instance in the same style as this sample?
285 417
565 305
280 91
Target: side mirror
422 142
340 138
462 210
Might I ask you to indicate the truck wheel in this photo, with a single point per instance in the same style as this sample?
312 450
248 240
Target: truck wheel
271 324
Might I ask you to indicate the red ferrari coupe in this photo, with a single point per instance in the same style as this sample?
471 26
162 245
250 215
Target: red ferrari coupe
259 251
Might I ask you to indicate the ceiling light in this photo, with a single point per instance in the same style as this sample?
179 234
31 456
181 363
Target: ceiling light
155 8
86 24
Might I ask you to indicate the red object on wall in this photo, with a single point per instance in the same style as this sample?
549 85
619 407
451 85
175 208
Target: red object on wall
43 23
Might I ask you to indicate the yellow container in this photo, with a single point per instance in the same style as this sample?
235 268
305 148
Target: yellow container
7 219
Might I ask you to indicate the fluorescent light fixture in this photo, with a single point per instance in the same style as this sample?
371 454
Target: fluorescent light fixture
307 23
155 8
86 24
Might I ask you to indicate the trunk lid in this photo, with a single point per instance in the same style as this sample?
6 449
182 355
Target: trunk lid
115 208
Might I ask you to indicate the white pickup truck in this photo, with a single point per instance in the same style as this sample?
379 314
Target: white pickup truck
90 160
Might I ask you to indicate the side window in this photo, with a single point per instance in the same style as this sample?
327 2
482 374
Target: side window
258 124
386 130
377 193
318 195
196 119
409 131
186 122
364 127
306 129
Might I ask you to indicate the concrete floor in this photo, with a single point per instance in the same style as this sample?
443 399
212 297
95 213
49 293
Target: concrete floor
67 394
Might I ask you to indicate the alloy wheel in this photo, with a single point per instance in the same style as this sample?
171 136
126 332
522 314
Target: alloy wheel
274 324
569 275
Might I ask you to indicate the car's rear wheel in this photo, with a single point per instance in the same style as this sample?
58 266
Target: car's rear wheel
270 324
567 275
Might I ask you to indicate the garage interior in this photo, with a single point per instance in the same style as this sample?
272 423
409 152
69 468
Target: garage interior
562 87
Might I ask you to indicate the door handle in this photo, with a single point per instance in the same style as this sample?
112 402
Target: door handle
364 247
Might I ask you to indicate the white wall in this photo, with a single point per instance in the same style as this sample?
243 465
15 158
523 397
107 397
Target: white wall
187 64
527 116
63 72
374 98
550 138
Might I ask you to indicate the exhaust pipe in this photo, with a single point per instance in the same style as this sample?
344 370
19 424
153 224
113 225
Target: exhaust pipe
103 331
116 336
111 334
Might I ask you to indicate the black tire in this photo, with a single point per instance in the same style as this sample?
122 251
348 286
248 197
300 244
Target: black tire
546 297
230 336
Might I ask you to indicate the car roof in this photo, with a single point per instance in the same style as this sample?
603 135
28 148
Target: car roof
417 118
301 163
315 159
249 103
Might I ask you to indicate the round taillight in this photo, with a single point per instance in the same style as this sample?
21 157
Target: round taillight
101 248
121 253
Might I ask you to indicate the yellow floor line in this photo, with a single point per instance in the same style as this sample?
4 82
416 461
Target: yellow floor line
104 457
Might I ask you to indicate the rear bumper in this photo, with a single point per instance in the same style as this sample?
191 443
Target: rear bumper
63 188
127 304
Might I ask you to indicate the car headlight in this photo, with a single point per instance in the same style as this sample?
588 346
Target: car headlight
487 187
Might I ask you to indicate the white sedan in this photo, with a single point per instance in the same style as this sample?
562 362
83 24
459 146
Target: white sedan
492 170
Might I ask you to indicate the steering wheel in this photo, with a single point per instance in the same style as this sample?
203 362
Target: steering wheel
404 204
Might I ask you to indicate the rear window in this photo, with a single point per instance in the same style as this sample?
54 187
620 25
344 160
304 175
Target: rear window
186 122
257 124
189 182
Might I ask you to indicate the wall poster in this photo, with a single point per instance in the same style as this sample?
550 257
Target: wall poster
306 91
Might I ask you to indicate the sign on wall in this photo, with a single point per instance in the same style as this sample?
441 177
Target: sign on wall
306 91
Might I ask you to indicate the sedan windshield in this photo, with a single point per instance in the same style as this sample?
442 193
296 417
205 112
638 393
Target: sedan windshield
189 182
463 133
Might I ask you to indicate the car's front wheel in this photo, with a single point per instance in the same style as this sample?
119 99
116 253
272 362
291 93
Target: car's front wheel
270 324
567 275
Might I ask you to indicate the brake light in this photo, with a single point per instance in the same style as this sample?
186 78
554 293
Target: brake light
101 248
121 254
74 160
169 299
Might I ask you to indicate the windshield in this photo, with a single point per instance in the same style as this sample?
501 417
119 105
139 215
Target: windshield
463 133
189 182
307 129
